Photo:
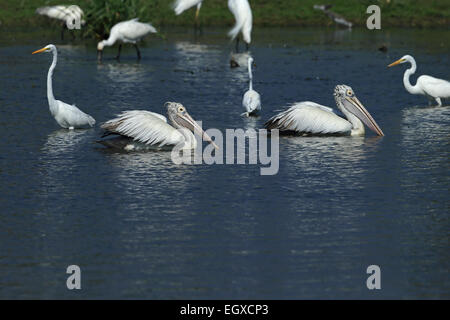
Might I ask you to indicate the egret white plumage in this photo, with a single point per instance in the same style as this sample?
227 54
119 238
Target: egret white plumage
130 31
66 115
182 5
429 86
244 20
70 15
141 130
310 118
252 100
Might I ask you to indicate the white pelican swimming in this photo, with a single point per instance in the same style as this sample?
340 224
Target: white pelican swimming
309 118
252 100
431 87
181 5
70 15
130 31
68 116
244 20
141 130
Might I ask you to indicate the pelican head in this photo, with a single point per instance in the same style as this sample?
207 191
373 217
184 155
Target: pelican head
48 48
403 59
348 102
100 47
180 118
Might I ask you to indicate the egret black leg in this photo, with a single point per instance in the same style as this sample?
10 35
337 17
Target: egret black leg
237 44
138 52
118 53
247 46
62 31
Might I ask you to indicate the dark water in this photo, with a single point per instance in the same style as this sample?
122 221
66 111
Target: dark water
140 226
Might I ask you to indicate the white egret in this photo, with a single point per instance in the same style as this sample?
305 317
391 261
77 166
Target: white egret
70 15
309 118
431 87
252 100
68 116
244 20
130 31
141 130
181 5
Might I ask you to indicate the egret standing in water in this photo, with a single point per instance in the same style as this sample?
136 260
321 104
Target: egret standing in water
68 116
429 86
244 20
252 100
181 5
140 130
309 118
130 31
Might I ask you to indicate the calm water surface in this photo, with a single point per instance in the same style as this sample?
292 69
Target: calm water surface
140 226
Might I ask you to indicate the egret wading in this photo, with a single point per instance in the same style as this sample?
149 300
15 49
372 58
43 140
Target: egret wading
251 100
68 116
140 130
431 87
130 31
309 118
244 20
182 5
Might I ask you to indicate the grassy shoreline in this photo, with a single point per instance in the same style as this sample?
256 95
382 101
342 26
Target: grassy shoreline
395 13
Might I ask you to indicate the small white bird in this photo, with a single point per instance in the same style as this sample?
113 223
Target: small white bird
252 100
244 20
140 130
68 116
310 118
130 31
182 5
431 87
70 15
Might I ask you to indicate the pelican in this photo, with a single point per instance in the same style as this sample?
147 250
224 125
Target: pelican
309 118
140 130
252 100
130 31
68 116
244 19
429 86
181 5
68 14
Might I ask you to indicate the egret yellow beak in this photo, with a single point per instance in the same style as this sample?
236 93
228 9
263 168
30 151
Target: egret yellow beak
40 50
396 62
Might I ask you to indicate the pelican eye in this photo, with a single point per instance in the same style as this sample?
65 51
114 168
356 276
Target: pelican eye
349 92
180 109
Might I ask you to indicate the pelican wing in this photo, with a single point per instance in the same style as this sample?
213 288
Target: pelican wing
309 117
181 5
144 126
434 87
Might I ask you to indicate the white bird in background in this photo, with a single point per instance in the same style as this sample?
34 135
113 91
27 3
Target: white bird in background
141 130
68 116
431 87
130 31
252 100
181 5
309 118
334 16
70 15
244 20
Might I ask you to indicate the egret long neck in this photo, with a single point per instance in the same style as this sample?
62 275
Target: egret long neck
250 75
408 86
51 98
